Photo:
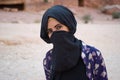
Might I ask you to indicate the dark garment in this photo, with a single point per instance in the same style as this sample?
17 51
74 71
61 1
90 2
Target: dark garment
76 73
92 58
67 63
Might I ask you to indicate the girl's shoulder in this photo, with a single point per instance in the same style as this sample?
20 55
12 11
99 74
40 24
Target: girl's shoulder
90 50
49 53
47 60
88 47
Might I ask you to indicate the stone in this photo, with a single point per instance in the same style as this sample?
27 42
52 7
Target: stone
110 9
6 9
14 9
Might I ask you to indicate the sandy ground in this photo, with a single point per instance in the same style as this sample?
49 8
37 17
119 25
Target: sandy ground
22 50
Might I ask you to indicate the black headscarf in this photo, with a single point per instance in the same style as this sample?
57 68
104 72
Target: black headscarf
63 15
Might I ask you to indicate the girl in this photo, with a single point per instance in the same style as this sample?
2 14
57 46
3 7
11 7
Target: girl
70 58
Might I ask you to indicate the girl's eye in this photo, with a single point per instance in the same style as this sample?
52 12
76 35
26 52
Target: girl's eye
49 31
58 27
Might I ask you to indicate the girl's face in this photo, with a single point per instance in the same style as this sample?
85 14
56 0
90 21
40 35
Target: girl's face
54 25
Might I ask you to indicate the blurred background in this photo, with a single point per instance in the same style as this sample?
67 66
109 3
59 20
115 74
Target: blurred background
27 11
22 50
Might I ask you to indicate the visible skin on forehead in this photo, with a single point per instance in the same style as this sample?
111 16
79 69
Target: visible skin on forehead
52 22
54 25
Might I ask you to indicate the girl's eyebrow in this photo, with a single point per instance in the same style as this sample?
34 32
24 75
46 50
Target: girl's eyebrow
54 26
57 25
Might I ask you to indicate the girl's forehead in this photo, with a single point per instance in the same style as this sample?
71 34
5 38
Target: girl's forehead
51 19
